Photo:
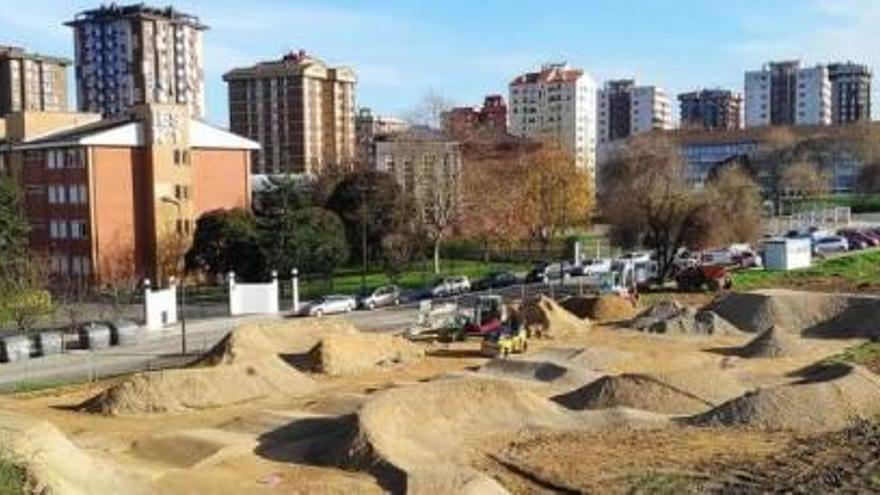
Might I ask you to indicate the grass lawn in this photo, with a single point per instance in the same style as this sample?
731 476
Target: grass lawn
348 281
12 478
867 354
859 270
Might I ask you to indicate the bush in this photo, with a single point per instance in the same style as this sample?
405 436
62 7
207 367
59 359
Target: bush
12 478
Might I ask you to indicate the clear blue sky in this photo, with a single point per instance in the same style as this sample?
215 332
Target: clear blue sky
464 49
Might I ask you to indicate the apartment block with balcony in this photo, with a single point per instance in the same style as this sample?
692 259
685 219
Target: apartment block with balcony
556 103
626 110
301 111
850 92
710 109
107 198
135 54
784 93
32 82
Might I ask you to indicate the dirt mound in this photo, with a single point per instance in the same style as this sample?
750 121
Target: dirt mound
595 358
193 448
352 353
251 363
607 307
559 376
773 343
200 388
811 313
545 318
829 399
55 465
681 392
273 338
670 317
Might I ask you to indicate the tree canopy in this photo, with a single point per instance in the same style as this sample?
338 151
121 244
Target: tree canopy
228 240
13 224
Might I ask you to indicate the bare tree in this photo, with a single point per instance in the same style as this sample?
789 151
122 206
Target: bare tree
430 109
735 199
804 179
648 202
396 253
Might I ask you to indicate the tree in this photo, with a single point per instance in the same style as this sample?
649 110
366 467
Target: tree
430 109
804 178
282 194
557 194
371 206
227 240
396 253
868 181
13 224
313 241
648 203
735 199
23 297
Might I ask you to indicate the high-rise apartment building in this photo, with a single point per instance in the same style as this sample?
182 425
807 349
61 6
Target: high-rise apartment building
557 103
850 92
300 111
132 55
31 82
784 93
627 110
710 109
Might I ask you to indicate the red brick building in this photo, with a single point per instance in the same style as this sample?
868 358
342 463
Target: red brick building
109 199
463 122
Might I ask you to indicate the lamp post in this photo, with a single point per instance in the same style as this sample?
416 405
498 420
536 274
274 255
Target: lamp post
181 312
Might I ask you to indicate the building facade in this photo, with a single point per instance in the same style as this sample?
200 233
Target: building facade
301 111
850 92
368 127
427 166
710 109
133 55
557 103
117 199
784 93
462 122
31 82
627 110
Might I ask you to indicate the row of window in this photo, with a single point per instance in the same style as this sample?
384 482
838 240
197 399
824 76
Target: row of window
61 264
74 194
69 158
68 229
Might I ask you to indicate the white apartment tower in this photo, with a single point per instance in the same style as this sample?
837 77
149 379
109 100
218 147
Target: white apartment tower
627 110
132 55
557 103
783 93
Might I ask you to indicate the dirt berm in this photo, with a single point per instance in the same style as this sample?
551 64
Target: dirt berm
814 314
252 362
441 424
773 343
607 307
829 398
681 392
670 317
352 353
54 465
544 317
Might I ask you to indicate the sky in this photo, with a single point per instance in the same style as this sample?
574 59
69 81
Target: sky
465 49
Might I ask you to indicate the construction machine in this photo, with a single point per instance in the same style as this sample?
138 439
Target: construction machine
504 341
487 315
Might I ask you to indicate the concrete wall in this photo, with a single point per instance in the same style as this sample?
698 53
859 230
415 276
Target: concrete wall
160 307
253 299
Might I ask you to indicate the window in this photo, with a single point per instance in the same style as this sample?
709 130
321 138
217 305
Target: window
58 229
57 194
79 229
79 265
181 192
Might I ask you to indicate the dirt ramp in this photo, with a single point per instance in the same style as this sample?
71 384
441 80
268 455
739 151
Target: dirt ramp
829 399
773 343
352 353
607 307
199 388
56 466
193 448
544 317
811 313
682 392
556 376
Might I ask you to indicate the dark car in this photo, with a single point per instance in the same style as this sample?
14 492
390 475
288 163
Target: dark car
539 274
856 240
496 280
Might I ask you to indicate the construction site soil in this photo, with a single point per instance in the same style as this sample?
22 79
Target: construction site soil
315 406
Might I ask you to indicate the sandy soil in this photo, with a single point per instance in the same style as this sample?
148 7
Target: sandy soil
500 427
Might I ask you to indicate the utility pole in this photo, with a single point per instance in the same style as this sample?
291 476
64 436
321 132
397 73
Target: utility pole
363 237
181 311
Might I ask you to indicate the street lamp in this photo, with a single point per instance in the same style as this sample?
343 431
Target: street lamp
181 312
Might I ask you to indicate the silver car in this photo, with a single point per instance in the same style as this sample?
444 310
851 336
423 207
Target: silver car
332 304
388 295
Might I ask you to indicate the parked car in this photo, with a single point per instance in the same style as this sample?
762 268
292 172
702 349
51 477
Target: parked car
591 267
387 295
830 244
748 259
331 304
451 286
856 239
538 274
496 280
873 235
